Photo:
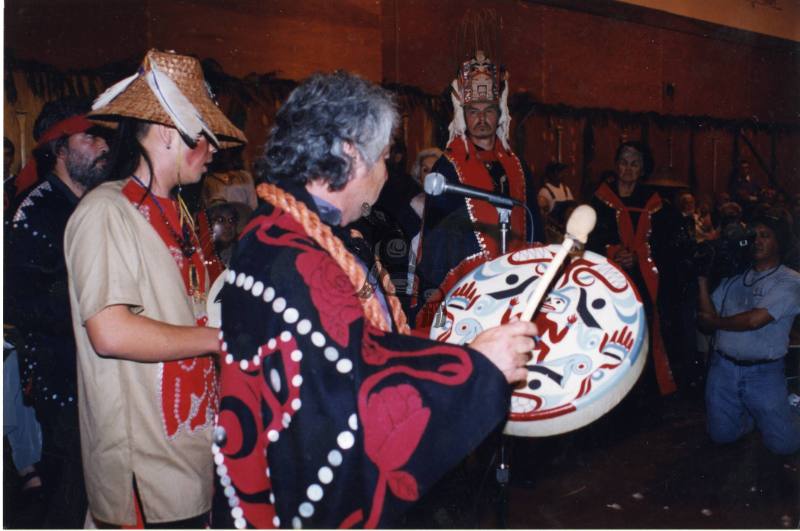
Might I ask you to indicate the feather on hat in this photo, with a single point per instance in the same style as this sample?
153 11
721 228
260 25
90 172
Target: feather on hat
168 89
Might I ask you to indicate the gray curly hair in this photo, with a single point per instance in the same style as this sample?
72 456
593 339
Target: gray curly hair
318 118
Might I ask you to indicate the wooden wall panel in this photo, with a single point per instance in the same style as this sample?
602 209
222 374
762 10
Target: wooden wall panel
762 145
775 84
424 35
725 162
566 56
788 156
710 77
584 56
670 147
712 161
559 55
294 39
523 46
593 61
75 34
539 142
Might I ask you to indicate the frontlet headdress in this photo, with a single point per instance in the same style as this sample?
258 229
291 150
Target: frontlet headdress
479 80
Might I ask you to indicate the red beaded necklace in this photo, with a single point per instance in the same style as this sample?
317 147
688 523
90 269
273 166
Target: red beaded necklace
185 241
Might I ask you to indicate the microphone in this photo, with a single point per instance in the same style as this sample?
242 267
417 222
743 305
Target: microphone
435 184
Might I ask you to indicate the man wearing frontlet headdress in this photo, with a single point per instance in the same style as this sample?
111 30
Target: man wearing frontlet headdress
147 387
332 414
457 232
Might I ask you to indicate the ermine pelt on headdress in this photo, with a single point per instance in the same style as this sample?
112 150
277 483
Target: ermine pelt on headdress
479 80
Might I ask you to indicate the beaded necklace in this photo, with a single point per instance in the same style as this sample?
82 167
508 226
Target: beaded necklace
187 246
758 279
745 284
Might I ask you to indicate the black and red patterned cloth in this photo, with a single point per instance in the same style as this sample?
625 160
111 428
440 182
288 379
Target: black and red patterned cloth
326 420
458 233
639 223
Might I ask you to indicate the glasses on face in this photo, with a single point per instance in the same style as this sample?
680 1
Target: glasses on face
222 219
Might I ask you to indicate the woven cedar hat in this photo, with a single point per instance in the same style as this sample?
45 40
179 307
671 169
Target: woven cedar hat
168 89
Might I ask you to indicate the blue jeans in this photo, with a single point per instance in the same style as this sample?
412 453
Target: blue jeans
741 398
19 421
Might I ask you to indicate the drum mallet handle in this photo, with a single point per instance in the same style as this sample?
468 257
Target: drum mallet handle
579 225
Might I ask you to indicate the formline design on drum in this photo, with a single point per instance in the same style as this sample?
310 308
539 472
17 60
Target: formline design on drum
592 342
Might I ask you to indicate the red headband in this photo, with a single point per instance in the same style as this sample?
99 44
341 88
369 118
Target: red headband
71 126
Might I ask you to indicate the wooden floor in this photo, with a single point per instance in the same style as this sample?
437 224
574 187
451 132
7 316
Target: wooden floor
667 476
657 471
628 470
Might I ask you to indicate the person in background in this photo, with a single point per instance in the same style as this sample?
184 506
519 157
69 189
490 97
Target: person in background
423 165
705 229
69 159
553 191
147 387
744 189
218 226
229 181
750 315
554 199
426 158
458 232
632 230
391 228
224 219
24 436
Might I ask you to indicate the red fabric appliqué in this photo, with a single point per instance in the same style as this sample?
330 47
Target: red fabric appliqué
189 394
331 293
394 421
395 417
393 426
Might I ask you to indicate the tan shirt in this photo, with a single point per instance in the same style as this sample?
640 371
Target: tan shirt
115 257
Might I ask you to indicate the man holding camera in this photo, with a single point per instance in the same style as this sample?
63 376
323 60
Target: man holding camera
751 315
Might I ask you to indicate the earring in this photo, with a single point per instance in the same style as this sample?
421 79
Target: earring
169 146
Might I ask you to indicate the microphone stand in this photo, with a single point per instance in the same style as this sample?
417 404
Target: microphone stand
503 471
504 217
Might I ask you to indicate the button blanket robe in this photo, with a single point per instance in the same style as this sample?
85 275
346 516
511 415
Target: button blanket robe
325 419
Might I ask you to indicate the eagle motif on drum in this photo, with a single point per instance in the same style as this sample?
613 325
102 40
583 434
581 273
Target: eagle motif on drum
592 341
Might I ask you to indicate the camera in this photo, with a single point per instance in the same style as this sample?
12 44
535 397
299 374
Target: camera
728 255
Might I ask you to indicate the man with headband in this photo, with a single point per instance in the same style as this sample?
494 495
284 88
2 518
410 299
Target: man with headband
69 159
146 375
458 233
